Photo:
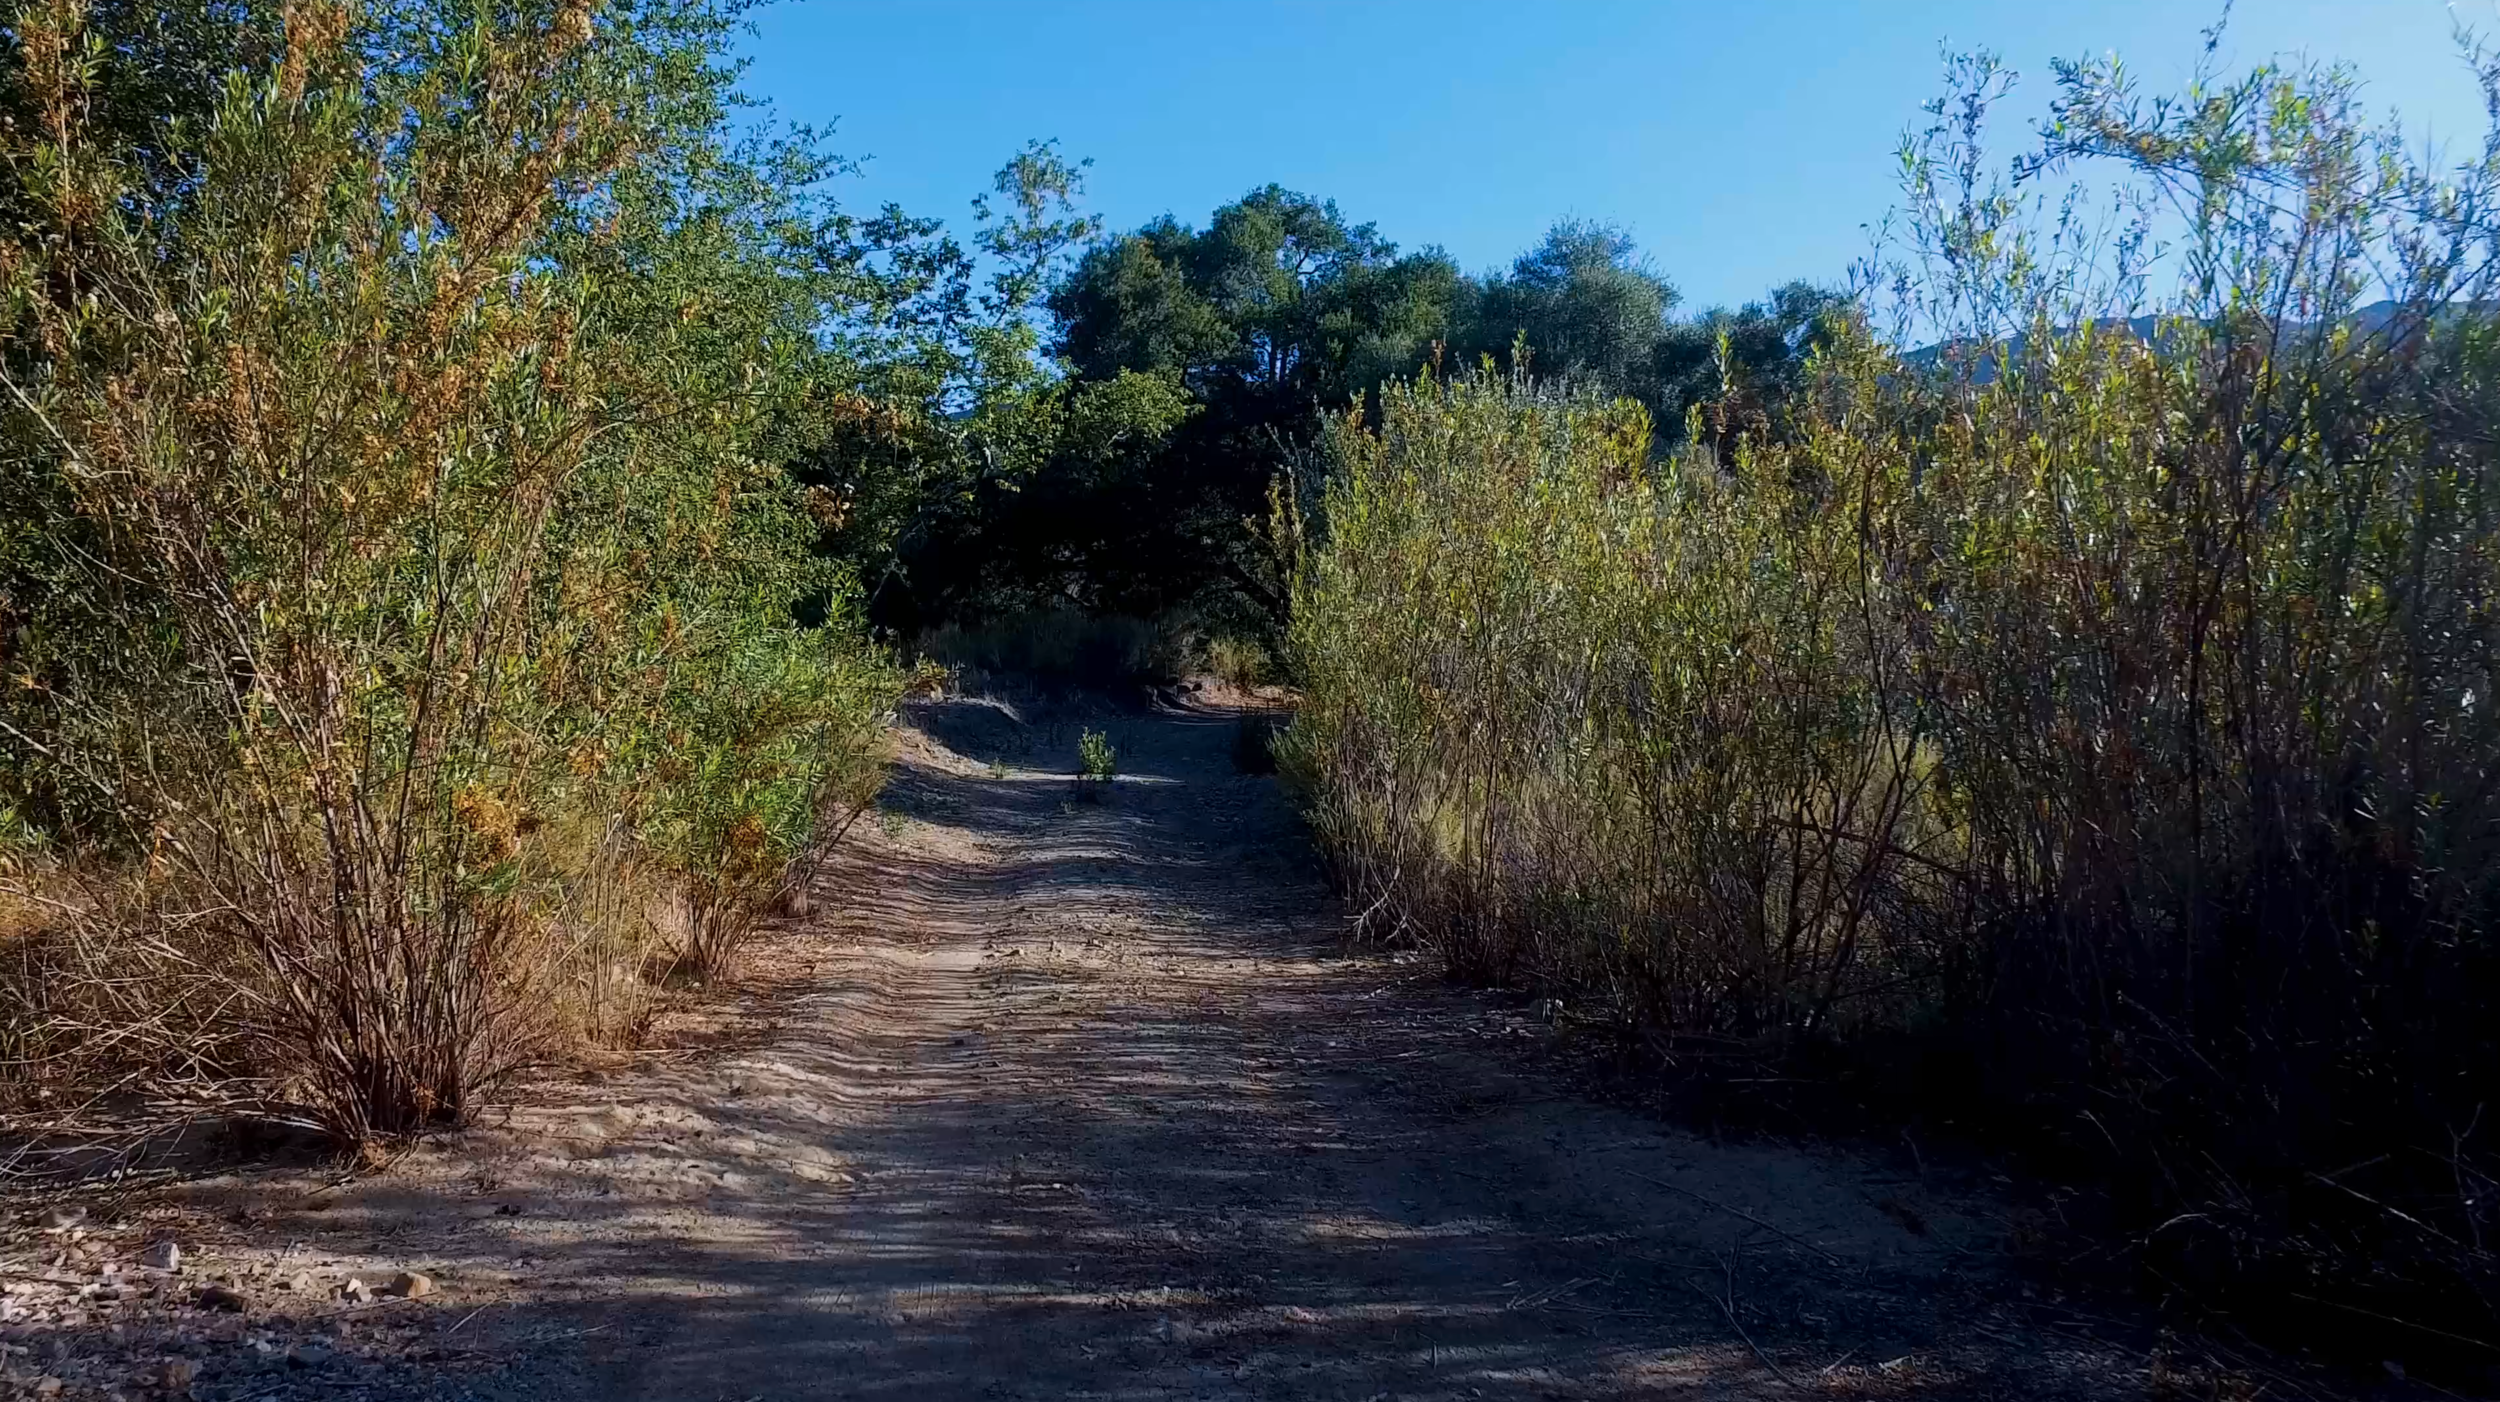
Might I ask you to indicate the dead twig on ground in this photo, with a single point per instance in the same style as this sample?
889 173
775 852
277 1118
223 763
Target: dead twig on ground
1711 1202
1727 1308
1546 1297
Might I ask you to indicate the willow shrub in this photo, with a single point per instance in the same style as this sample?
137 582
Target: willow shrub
432 593
1560 700
2090 733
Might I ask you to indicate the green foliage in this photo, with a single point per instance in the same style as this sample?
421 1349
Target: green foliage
946 408
761 754
1096 760
1059 649
1192 359
1242 662
1245 328
432 565
2099 710
1586 305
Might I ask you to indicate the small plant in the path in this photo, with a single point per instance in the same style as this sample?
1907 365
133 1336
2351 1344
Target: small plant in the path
1095 757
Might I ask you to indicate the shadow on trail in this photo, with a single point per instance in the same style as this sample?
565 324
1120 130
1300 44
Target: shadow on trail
1088 1100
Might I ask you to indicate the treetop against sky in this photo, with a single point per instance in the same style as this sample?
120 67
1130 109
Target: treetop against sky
1741 145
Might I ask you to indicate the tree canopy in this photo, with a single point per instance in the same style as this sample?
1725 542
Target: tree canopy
1198 362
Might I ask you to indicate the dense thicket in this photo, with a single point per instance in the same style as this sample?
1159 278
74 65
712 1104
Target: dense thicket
2087 732
410 620
1202 362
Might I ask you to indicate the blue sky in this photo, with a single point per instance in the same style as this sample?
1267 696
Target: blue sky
1743 143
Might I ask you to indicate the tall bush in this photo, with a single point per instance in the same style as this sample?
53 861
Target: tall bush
2098 705
415 450
1586 718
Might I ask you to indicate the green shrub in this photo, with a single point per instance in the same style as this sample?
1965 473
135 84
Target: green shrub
1239 662
1096 760
775 749
432 603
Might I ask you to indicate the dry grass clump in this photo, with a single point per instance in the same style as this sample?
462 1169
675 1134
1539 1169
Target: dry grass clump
1240 662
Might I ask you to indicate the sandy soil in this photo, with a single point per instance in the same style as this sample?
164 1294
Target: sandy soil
1061 1098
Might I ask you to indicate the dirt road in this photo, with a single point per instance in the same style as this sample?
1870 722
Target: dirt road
1070 1099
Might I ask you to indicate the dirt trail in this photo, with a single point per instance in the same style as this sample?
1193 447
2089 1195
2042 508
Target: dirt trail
1065 1099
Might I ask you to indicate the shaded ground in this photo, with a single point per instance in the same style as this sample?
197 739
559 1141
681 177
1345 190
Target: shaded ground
1056 1098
